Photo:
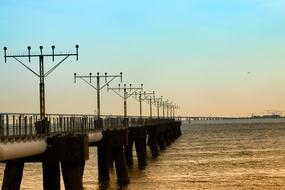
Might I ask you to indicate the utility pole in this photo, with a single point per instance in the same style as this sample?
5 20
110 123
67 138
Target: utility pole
140 101
158 104
163 107
170 109
175 107
88 80
148 96
125 95
41 73
167 107
165 103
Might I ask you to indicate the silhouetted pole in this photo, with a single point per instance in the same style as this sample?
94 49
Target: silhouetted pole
150 107
158 104
148 97
42 87
98 88
41 74
140 100
125 101
174 108
167 108
170 110
98 96
163 107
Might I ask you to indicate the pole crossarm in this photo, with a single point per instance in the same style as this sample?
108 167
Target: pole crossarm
148 96
45 55
118 89
90 77
41 54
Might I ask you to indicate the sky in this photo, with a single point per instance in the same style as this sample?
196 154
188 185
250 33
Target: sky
210 57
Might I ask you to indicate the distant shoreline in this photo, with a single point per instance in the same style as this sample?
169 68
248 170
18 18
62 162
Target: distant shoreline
239 121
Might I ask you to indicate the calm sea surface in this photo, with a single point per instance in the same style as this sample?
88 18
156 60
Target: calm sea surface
206 156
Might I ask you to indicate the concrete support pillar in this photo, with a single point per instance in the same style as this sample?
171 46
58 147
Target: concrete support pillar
172 133
167 138
141 152
120 164
152 141
103 164
82 166
13 176
129 152
144 147
110 157
51 175
72 175
161 142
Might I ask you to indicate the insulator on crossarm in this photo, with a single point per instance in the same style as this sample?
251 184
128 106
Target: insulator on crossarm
74 77
76 46
29 53
52 47
5 54
41 50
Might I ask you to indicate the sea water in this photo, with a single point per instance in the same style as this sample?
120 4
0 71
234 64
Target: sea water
209 155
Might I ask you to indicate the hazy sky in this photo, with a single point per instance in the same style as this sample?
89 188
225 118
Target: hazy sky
212 57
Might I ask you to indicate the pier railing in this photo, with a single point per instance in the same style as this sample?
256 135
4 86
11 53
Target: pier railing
19 126
16 126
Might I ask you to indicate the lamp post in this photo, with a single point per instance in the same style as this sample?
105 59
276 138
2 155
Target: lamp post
88 80
125 95
42 75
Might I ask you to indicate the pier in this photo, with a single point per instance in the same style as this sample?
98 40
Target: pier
65 143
